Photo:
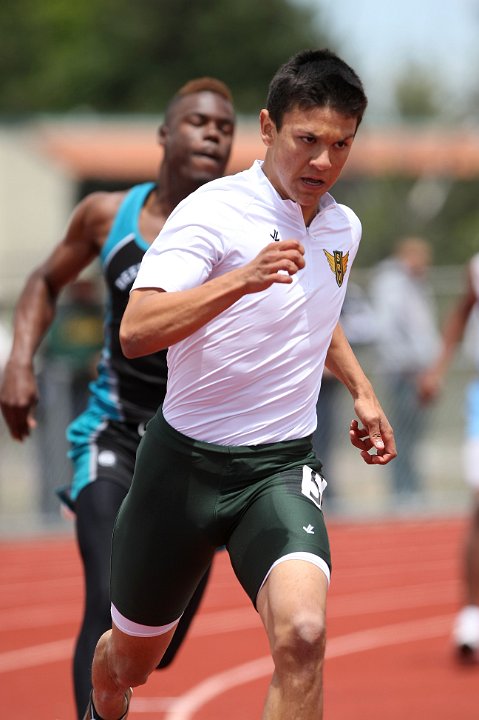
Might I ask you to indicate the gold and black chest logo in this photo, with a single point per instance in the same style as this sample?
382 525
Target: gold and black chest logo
338 264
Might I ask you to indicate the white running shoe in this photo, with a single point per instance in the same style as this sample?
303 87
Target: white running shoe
466 631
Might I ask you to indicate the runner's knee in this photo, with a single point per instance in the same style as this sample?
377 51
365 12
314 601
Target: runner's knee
300 642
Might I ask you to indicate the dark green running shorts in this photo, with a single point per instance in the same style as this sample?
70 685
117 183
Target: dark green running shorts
188 498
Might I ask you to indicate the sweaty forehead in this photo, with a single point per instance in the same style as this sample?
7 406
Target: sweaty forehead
204 102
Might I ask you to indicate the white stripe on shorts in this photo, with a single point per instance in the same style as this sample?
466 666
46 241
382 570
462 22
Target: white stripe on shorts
308 557
132 628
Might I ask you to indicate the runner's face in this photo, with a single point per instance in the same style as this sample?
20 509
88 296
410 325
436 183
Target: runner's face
198 136
305 157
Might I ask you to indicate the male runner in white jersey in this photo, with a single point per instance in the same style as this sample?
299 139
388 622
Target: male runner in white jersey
244 285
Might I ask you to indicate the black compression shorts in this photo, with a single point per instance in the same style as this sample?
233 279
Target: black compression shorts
188 498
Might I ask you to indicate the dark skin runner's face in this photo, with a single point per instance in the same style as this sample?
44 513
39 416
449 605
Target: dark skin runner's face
197 137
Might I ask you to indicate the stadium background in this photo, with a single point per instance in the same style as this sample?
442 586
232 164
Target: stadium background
66 67
60 160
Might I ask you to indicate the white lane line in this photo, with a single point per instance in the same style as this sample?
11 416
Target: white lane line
36 655
214 623
219 621
394 634
188 704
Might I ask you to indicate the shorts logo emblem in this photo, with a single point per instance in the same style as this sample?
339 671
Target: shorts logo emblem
275 235
309 529
312 486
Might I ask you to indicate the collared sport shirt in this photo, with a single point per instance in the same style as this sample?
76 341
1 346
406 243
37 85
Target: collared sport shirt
252 374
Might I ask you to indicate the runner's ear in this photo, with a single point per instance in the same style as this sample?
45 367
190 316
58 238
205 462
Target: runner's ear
267 128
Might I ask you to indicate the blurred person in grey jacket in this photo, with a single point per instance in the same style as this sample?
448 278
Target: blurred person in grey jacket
407 341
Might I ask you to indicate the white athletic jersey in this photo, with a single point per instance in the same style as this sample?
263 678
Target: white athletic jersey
474 270
252 374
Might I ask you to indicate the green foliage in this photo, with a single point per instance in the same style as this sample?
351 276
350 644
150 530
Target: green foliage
387 212
418 94
128 56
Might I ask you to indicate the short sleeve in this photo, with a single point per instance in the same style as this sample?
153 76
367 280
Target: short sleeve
184 253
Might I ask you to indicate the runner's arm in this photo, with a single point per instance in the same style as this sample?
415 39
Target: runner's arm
154 319
430 382
36 307
376 432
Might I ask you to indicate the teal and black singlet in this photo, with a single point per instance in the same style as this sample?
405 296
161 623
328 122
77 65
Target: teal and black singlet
126 393
126 388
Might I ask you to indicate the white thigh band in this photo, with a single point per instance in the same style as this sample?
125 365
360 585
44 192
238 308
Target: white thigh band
308 557
132 628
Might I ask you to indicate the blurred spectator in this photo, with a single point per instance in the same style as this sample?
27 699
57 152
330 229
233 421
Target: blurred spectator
466 628
5 344
358 322
407 341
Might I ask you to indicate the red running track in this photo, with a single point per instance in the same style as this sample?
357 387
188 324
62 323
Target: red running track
394 594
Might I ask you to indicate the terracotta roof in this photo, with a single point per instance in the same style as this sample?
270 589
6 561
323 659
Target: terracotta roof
416 152
124 150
